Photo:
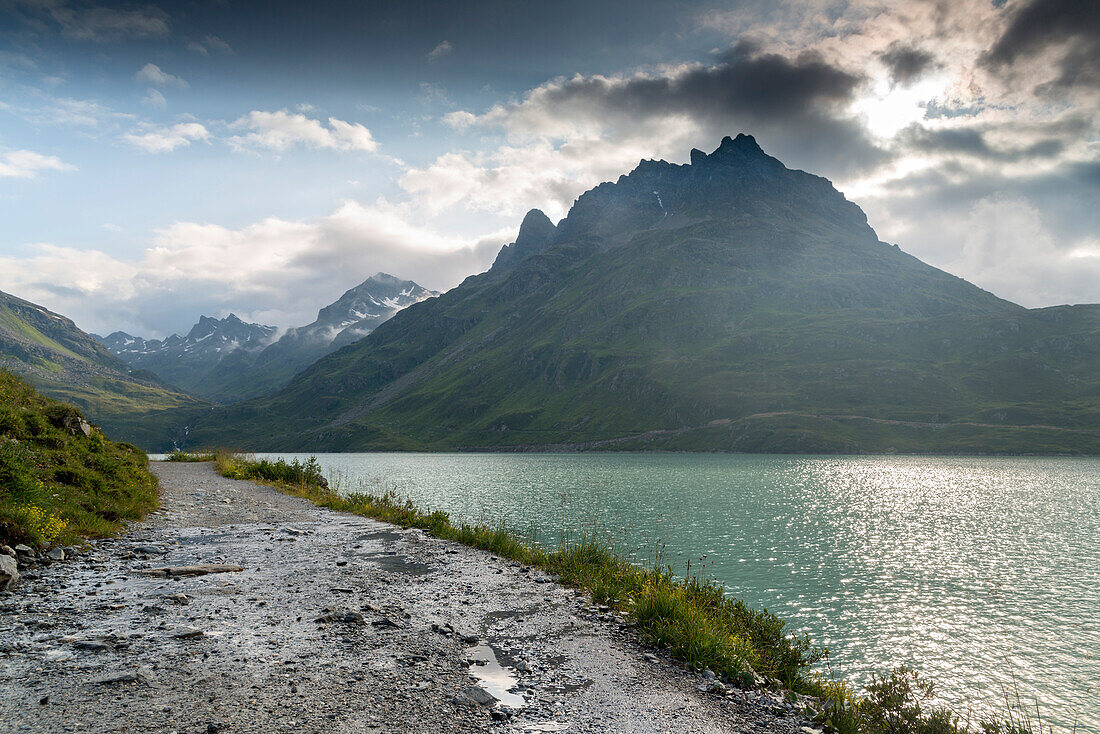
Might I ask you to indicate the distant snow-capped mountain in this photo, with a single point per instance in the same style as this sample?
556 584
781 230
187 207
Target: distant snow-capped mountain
210 338
228 359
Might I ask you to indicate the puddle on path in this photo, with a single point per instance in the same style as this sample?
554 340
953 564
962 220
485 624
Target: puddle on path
494 678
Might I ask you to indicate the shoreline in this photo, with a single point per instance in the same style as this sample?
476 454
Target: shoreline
577 663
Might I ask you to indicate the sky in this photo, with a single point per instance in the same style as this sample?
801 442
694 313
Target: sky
160 161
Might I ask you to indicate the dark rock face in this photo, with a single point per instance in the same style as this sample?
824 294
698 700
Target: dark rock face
536 233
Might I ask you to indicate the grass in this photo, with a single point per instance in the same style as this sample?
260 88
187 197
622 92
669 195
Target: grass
688 616
57 485
189 457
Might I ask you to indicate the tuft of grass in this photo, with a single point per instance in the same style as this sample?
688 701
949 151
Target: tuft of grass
278 471
189 457
688 616
56 484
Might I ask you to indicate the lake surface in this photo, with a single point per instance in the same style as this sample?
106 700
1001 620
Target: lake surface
978 572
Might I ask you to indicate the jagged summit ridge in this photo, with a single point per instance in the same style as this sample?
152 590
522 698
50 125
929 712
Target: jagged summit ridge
737 180
536 233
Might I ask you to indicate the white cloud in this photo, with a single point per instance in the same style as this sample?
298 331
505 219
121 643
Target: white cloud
442 49
27 163
1005 248
74 112
165 139
154 98
283 129
294 268
153 74
209 44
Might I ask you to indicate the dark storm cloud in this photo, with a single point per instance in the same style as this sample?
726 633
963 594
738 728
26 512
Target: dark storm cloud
907 63
973 142
1042 24
799 104
97 22
744 81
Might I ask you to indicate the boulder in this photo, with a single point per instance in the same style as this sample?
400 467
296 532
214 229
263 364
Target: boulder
9 571
474 696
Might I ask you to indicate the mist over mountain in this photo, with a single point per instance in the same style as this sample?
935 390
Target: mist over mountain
227 359
727 304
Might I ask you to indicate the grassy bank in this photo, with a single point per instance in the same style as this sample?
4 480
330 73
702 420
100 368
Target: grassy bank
688 616
58 485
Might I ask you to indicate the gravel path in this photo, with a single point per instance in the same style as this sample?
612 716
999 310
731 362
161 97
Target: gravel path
416 631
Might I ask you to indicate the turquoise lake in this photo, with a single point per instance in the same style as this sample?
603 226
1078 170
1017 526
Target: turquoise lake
981 573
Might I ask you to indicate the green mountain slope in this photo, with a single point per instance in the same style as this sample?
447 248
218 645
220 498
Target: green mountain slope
53 355
729 304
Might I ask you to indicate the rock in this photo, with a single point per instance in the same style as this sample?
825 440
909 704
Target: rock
7 550
127 677
500 714
344 617
25 550
74 423
474 696
199 570
92 645
9 572
150 550
188 633
466 636
56 554
385 622
177 598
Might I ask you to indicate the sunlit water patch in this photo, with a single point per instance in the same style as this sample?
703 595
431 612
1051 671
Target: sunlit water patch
981 573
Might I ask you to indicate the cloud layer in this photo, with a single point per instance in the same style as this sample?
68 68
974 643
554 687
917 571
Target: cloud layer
275 271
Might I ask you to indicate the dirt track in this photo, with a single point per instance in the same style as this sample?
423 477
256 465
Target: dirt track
415 631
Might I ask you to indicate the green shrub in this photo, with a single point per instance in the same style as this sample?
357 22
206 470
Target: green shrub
56 487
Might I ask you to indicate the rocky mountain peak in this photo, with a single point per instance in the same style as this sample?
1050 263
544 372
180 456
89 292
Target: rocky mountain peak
229 329
536 233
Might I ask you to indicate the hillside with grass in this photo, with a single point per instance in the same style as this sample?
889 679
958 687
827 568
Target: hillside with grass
61 479
51 353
